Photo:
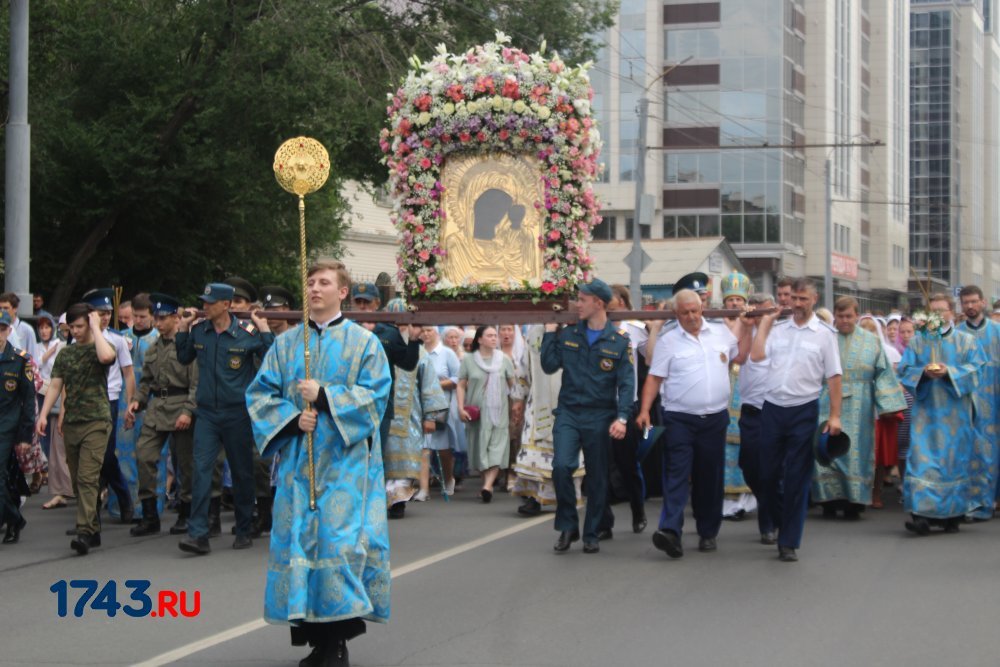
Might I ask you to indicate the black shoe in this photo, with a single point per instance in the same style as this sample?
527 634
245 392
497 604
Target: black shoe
486 495
195 545
127 514
83 543
829 511
707 544
530 507
591 547
566 538
214 517
397 511
605 535
668 541
769 538
787 555
14 531
335 654
242 542
950 525
314 659
639 523
919 525
739 515
181 526
150 523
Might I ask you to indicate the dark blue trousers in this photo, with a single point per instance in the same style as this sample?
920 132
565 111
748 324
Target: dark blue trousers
786 467
231 430
111 472
695 450
573 431
750 443
10 507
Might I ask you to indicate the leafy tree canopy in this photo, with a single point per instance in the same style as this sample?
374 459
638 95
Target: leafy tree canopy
154 124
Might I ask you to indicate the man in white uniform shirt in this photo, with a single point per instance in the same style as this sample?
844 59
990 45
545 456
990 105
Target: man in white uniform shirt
752 388
802 352
693 360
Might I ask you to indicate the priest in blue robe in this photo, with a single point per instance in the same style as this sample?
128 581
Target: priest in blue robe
868 388
987 335
942 374
328 570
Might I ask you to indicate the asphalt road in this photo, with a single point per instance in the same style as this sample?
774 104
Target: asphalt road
475 585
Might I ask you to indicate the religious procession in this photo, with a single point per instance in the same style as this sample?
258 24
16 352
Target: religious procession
500 363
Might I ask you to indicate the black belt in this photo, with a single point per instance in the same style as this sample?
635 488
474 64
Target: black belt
751 409
170 391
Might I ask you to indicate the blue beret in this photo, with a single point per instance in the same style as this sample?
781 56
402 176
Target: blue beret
5 318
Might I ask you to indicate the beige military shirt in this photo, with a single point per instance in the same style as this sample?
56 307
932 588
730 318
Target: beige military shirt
168 387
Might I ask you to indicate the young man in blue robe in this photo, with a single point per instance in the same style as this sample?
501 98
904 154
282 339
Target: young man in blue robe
987 335
328 570
942 374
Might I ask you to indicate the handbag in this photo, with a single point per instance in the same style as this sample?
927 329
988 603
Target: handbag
473 412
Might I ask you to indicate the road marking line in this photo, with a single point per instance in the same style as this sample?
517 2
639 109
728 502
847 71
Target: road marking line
247 628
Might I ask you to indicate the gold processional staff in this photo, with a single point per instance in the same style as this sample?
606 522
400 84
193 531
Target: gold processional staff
302 166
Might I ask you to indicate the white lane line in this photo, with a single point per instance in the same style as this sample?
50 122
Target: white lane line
247 628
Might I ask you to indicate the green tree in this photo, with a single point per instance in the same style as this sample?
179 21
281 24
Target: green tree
154 124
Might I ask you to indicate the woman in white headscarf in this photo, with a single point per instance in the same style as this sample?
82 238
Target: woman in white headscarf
485 380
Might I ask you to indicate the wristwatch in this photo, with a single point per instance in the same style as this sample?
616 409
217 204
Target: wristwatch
622 421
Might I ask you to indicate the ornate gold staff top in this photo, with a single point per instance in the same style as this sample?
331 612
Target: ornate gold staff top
302 166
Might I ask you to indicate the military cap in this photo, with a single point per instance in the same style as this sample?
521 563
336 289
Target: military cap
598 288
241 287
696 281
101 299
365 292
830 447
6 319
217 292
276 296
736 284
164 304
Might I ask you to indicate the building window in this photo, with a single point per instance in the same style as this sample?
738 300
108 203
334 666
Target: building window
605 229
643 229
865 250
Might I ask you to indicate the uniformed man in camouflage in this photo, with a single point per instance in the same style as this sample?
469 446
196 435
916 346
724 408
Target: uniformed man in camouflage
81 369
167 395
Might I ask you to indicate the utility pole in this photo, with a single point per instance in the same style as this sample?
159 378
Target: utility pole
828 277
635 258
17 236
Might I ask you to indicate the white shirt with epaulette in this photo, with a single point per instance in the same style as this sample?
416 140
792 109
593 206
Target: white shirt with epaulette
695 368
801 358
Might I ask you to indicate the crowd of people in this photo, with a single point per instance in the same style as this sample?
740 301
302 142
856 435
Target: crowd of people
762 412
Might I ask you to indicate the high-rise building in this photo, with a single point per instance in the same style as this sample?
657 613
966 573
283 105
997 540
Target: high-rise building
746 86
954 105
